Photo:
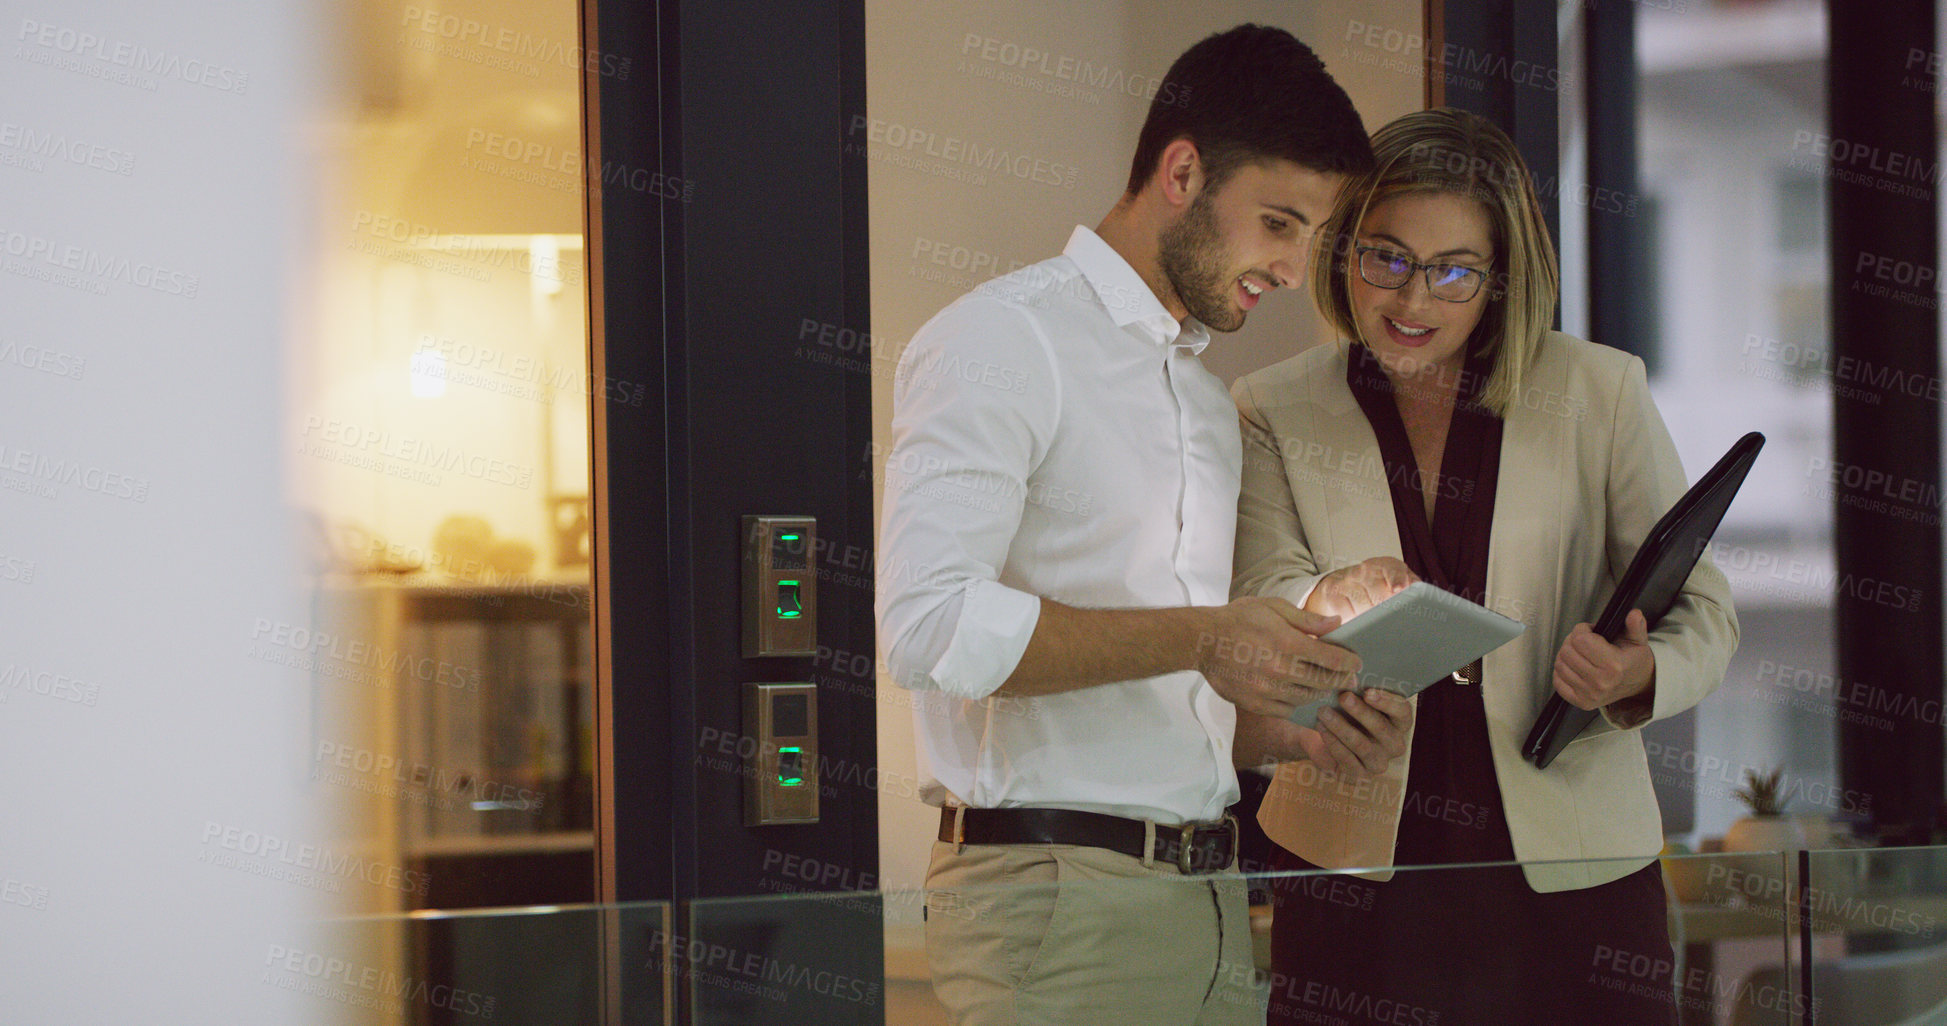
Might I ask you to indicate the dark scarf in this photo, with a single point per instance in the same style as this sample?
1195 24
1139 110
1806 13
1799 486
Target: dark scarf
1452 551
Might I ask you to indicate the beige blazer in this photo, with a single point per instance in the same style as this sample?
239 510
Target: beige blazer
1587 467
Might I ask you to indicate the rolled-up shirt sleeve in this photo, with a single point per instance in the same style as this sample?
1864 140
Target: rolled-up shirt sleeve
975 403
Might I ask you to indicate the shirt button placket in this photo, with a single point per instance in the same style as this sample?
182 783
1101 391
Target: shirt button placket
1180 555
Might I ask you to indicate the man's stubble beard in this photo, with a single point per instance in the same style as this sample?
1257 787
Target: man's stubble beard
1193 259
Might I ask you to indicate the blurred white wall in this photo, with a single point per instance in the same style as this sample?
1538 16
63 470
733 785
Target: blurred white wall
153 751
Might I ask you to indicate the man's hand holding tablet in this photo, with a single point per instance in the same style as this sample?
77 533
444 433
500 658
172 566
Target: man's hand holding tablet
1363 732
1362 735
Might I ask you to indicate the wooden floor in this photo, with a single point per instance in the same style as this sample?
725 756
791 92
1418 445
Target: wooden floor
911 1003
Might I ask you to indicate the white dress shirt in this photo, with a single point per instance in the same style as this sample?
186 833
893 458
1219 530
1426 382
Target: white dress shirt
1055 435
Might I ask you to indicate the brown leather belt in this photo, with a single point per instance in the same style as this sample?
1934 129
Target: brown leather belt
1191 848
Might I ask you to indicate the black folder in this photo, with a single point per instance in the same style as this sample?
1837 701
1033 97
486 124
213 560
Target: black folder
1652 582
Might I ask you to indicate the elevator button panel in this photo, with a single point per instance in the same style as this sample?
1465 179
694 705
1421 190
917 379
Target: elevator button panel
781 764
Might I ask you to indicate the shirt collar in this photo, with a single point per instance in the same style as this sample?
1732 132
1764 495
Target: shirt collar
1127 298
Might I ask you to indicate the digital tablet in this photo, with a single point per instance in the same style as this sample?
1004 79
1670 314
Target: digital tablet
1413 640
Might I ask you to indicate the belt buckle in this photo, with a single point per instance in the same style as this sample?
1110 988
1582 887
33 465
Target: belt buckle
1184 847
1188 844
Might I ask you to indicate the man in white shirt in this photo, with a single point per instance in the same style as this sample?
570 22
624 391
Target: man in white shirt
1055 565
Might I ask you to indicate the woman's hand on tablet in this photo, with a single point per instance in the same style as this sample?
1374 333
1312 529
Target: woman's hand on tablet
1349 591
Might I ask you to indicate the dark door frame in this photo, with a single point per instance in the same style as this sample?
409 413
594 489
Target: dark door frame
1499 59
1886 537
723 216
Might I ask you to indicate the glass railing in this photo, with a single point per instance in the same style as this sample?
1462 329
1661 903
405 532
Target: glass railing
1873 949
563 965
1852 937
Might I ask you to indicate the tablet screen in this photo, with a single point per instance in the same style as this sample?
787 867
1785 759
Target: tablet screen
1413 640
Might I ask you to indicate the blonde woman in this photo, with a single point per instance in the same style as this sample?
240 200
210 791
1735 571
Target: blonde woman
1453 437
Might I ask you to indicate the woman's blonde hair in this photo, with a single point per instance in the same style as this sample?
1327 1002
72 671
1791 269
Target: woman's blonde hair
1447 150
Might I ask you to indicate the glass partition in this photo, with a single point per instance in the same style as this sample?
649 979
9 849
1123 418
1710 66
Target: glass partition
1732 923
1738 926
1877 936
542 964
1728 916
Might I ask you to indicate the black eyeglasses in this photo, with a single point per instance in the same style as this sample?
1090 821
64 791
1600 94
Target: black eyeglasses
1389 270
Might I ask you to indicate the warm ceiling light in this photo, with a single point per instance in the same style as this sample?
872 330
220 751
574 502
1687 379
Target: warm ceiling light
428 374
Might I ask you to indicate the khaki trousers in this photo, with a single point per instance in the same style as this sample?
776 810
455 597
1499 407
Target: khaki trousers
1061 935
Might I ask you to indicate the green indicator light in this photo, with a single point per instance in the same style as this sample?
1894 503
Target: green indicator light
790 766
788 537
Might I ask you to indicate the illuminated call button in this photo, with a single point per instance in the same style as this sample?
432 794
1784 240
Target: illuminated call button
790 766
788 605
788 552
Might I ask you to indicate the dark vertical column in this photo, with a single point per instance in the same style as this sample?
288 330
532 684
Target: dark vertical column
625 127
1883 160
1499 59
768 420
625 235
1621 309
763 421
730 218
733 241
1622 284
1434 24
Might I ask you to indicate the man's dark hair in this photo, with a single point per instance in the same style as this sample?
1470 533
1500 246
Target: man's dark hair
1249 94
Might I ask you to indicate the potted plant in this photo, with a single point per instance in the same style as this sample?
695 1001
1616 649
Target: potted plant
1767 828
1759 876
